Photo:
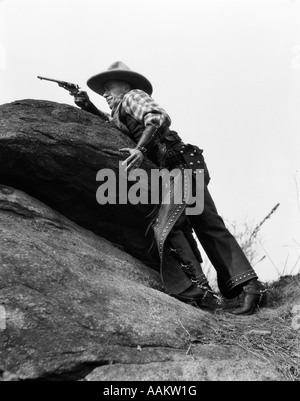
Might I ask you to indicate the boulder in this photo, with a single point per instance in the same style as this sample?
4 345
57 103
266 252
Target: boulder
80 296
54 151
79 308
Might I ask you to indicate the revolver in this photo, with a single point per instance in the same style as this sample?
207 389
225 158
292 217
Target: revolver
72 88
75 90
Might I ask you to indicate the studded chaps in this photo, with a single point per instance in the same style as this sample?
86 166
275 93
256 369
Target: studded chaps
232 267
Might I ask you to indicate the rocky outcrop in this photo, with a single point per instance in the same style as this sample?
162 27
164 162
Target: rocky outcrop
78 307
76 300
53 152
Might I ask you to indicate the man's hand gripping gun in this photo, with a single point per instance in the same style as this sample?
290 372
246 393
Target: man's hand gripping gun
81 98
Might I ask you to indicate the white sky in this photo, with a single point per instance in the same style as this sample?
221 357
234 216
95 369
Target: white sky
227 72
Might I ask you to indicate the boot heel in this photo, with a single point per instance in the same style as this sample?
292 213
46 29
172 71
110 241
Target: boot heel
255 298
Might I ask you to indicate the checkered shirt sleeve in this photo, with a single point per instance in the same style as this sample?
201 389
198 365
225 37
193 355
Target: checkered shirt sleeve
144 109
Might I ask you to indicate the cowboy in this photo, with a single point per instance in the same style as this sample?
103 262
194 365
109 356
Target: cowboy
137 115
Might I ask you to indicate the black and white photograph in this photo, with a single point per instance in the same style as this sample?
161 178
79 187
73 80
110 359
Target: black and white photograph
150 193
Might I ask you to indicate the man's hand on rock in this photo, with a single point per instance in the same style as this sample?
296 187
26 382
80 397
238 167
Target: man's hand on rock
134 160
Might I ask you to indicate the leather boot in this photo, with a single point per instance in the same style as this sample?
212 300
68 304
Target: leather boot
254 296
182 245
199 293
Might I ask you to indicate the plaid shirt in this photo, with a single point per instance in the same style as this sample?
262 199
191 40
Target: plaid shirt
139 105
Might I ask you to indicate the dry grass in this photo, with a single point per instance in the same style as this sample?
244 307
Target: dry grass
269 333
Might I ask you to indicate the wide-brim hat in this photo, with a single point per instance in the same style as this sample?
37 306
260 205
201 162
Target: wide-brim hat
119 71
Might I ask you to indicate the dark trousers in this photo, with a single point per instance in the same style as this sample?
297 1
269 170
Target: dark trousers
232 267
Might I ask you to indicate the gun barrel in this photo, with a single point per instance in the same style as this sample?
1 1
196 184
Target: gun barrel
72 88
48 79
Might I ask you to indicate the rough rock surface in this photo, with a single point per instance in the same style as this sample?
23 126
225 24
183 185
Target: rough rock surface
77 307
74 305
54 151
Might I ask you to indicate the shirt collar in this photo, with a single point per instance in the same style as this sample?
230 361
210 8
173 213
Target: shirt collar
118 102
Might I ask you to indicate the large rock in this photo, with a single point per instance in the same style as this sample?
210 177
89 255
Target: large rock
73 298
78 307
75 305
54 151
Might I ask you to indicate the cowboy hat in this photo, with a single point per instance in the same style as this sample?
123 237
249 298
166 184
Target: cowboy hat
119 71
